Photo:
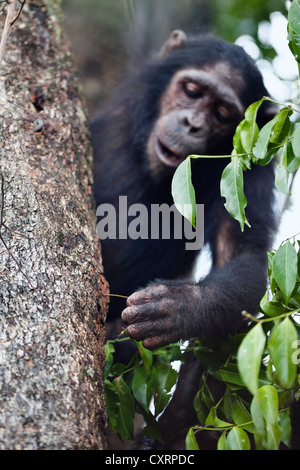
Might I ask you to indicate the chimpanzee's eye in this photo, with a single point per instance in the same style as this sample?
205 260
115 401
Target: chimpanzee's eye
192 90
223 114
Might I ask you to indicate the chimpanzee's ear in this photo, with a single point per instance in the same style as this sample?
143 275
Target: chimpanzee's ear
266 113
176 40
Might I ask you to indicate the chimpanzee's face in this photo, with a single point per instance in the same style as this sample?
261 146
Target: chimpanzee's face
199 112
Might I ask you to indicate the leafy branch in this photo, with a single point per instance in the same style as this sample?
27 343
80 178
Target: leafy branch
131 388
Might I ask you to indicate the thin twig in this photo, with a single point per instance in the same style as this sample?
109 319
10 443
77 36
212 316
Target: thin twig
7 26
16 232
2 199
19 12
117 295
289 238
16 261
9 100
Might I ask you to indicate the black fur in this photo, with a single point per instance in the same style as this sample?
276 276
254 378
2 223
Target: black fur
186 309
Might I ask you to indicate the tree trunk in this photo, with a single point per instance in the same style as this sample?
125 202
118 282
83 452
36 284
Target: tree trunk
53 295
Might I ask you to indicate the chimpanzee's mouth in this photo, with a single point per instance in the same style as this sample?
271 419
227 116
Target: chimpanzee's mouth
166 155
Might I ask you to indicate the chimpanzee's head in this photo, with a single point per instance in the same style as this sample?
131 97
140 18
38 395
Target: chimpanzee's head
200 89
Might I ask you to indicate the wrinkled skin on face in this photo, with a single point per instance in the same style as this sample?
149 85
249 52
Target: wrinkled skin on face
198 108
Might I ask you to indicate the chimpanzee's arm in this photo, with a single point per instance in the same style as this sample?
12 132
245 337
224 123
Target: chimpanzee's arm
167 311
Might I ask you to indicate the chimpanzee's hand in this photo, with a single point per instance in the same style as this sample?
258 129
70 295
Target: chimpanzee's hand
158 315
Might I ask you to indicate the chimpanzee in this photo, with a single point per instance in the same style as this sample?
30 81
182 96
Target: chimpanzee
186 100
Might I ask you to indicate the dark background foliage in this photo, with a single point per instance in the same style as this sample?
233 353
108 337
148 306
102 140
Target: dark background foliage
105 33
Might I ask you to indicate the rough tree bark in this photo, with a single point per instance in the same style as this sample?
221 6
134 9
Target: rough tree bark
52 290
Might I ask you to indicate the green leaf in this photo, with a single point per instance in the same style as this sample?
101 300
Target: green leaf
174 352
264 411
282 126
232 188
237 439
261 147
183 191
226 407
273 284
152 427
282 180
294 16
281 351
270 308
249 134
213 420
296 142
268 403
143 387
282 173
125 422
251 114
191 441
295 299
294 42
207 398
285 269
109 350
285 424
272 136
146 356
241 415
249 357
294 28
250 130
257 416
200 408
293 161
274 434
112 404
247 131
231 375
166 379
238 147
222 442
